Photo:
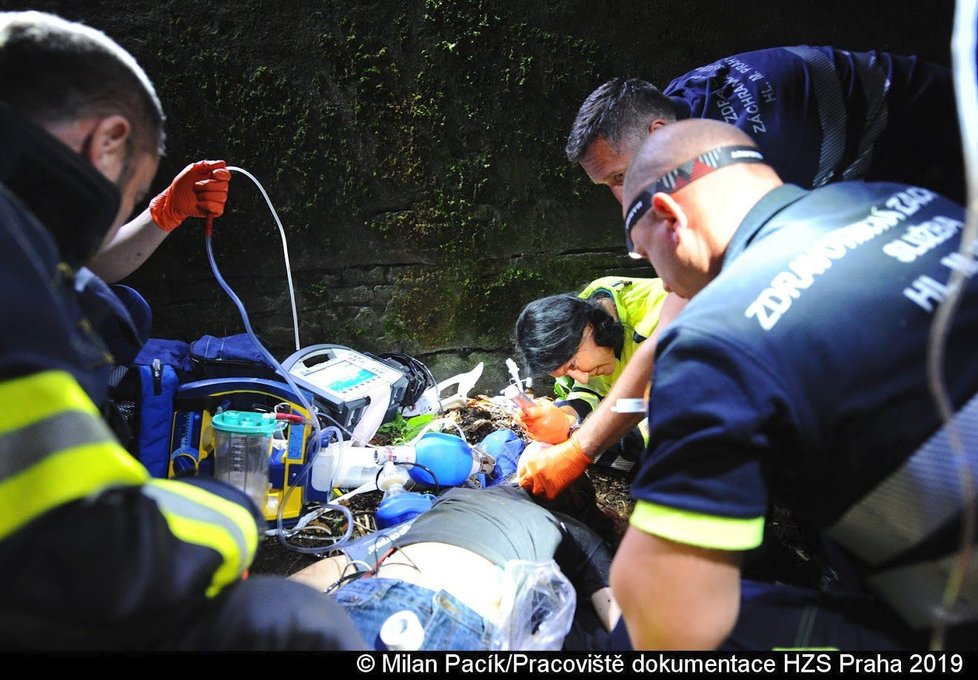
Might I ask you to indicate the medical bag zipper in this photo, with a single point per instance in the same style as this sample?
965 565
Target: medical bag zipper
157 377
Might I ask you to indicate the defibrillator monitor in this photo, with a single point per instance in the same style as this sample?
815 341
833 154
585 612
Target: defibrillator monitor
340 376
353 387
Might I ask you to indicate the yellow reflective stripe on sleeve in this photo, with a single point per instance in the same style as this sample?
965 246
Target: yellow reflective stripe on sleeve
199 517
56 449
23 448
63 477
26 400
692 528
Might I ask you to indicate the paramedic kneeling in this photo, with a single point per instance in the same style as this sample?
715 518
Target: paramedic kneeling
801 364
586 341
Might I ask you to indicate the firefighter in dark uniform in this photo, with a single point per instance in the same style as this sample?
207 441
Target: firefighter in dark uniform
819 115
94 554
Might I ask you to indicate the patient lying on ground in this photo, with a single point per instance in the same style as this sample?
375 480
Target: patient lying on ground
449 569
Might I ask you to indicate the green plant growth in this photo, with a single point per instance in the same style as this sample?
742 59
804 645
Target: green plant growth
425 132
402 430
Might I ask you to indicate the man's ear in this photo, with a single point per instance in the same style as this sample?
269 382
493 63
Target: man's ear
669 210
656 124
105 147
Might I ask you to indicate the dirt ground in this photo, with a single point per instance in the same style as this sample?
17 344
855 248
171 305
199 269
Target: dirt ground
477 419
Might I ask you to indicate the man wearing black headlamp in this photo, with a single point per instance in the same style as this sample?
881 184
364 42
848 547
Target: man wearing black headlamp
820 115
801 362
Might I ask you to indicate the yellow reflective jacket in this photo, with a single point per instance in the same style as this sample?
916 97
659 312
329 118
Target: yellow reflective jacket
638 303
91 548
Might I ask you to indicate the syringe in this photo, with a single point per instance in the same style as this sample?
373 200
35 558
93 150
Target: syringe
519 397
514 372
515 391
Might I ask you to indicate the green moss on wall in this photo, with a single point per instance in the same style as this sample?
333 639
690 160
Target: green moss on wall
420 132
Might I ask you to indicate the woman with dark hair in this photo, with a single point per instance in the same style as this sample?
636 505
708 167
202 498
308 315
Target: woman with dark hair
585 341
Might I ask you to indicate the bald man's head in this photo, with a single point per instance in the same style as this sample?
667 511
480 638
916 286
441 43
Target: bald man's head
674 144
686 191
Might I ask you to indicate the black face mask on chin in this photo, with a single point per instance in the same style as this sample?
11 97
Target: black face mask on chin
73 201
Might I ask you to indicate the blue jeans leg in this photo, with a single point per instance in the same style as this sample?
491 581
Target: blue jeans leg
448 624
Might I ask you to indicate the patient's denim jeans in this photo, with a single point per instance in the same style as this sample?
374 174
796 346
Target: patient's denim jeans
448 624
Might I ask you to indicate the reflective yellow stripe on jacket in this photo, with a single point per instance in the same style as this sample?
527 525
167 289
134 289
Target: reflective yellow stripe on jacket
198 516
54 448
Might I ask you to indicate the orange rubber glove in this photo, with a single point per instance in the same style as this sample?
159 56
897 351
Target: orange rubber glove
546 471
547 422
200 190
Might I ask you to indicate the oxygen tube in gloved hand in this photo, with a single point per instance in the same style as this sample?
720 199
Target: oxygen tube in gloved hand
313 419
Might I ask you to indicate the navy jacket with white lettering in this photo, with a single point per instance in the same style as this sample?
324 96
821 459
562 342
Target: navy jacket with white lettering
798 375
822 115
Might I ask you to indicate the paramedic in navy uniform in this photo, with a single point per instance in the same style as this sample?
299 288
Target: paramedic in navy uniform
800 359
818 114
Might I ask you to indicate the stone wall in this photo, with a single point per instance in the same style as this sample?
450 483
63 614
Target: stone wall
413 149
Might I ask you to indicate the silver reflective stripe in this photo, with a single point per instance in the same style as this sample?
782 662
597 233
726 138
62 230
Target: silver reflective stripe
876 87
803 636
892 518
24 447
831 110
170 502
116 374
916 591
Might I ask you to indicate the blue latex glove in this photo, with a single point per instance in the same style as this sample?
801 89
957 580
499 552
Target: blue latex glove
505 446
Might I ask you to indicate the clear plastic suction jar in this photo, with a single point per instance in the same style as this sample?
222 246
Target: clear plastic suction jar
242 451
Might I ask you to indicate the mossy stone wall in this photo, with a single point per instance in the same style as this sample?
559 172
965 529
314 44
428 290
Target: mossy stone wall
414 150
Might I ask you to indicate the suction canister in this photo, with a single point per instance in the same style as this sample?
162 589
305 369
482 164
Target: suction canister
242 451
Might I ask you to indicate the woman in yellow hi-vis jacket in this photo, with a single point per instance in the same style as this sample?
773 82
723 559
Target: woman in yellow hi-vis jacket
585 341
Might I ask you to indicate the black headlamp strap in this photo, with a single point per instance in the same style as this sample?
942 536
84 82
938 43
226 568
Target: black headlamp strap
680 176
